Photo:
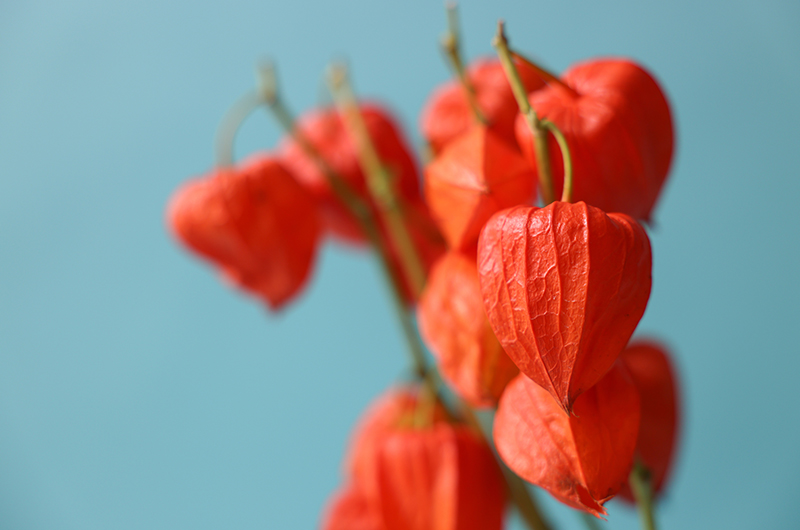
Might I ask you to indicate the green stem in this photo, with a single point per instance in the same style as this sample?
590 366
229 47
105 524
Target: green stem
539 133
268 89
231 122
517 490
451 43
269 92
523 500
379 180
643 493
546 76
566 155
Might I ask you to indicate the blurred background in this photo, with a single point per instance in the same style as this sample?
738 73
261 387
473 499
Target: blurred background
137 391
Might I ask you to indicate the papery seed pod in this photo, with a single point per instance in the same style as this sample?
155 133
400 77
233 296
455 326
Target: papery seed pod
582 459
564 287
420 471
255 222
652 373
349 509
448 115
476 175
455 328
619 131
443 477
394 408
327 132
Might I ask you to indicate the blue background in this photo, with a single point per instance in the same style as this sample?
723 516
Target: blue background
136 391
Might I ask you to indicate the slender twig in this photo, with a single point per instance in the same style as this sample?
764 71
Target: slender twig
539 133
566 155
271 95
451 44
379 179
517 490
231 122
643 493
546 76
428 374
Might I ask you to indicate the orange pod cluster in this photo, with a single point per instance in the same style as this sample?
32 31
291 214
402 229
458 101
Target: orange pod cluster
564 287
411 469
254 222
618 125
582 459
455 328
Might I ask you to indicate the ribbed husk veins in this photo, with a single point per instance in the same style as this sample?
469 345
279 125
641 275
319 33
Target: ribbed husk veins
328 133
417 475
651 371
476 175
582 459
254 222
448 115
564 287
619 130
455 328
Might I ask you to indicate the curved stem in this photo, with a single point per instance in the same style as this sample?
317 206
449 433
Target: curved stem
230 125
539 133
523 501
268 88
643 493
566 155
451 43
379 180
269 93
546 76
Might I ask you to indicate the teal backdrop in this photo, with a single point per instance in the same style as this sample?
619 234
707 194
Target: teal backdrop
139 392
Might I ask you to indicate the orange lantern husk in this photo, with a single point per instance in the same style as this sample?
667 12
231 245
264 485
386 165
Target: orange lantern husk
476 175
618 126
254 222
564 287
453 324
651 370
418 470
581 459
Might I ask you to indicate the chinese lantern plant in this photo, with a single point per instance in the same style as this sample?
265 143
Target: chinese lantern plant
530 309
254 222
453 324
554 281
412 467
